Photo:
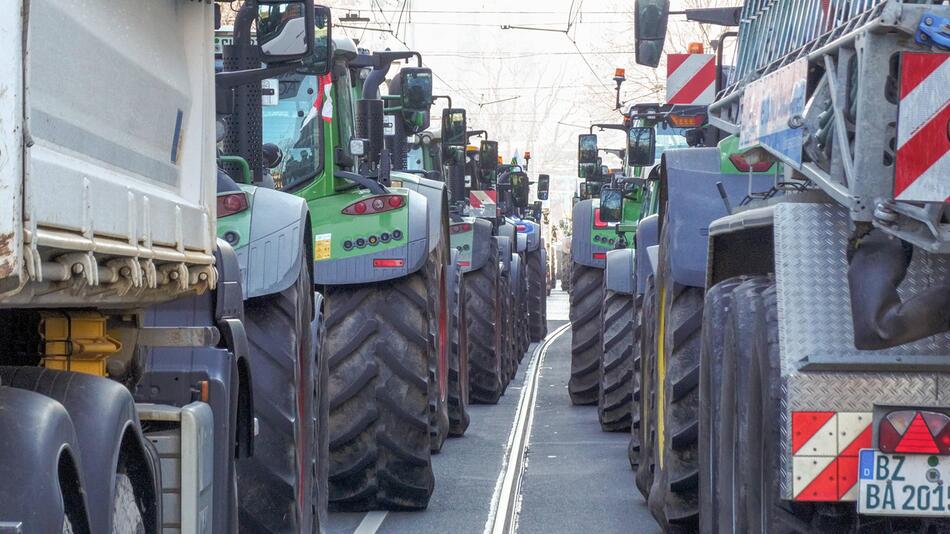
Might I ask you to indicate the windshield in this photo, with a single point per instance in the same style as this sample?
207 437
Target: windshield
668 137
293 124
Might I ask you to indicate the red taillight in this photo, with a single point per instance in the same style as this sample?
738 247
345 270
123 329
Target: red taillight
377 204
600 255
744 166
231 203
914 432
464 263
598 223
521 228
460 228
388 264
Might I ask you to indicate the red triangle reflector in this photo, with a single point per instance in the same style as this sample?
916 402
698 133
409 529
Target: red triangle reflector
917 439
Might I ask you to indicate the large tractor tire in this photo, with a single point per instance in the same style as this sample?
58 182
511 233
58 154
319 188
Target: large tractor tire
647 439
380 378
615 400
633 448
458 360
523 317
718 302
126 515
509 342
587 294
440 317
674 497
537 290
483 307
564 270
278 487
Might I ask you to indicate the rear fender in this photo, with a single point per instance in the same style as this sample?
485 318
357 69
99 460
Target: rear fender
689 177
39 443
582 246
504 252
271 261
516 274
481 244
647 236
437 201
619 271
533 235
107 428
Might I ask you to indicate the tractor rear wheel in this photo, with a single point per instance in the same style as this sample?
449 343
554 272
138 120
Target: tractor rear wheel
458 360
587 293
483 306
380 377
646 439
633 448
277 486
616 366
440 317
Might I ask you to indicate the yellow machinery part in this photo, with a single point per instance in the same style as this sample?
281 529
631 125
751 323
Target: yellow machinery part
76 341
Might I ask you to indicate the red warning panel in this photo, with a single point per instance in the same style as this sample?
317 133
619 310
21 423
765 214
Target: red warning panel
690 79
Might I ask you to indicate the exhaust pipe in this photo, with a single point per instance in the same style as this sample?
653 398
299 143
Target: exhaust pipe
878 265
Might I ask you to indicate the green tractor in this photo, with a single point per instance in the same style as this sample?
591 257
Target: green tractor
282 485
381 258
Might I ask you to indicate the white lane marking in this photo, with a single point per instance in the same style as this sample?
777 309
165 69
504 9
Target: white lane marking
371 522
505 500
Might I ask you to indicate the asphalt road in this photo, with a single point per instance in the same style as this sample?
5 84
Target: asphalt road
576 478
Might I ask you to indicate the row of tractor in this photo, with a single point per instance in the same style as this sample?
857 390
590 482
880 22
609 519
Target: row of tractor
239 279
761 296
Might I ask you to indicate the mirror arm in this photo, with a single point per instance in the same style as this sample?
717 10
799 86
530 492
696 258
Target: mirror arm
440 97
373 186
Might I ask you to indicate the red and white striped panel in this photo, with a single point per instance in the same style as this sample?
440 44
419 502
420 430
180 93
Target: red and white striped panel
481 199
922 170
690 79
825 447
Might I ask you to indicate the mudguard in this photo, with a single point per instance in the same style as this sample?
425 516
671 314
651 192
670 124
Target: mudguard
582 247
36 436
516 274
504 252
360 269
619 271
437 197
103 414
522 240
509 231
270 262
693 202
173 374
481 244
533 233
228 295
648 235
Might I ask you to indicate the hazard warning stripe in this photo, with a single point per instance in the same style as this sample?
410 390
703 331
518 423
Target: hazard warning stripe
479 198
825 448
923 143
690 78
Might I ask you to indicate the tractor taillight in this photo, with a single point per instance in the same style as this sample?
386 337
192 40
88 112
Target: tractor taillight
377 204
460 228
600 255
521 228
231 203
598 223
914 432
387 263
742 165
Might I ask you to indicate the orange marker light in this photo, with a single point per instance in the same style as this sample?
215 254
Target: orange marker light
695 48
620 73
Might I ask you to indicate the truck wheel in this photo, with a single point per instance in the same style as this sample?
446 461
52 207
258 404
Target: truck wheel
458 363
718 302
483 307
587 294
275 485
379 350
646 461
126 516
633 448
616 366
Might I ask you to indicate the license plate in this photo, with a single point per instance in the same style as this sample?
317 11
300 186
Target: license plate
903 484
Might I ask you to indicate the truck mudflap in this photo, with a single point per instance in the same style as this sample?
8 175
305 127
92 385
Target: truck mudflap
583 250
38 439
829 384
693 201
619 271
387 264
648 235
271 260
481 244
107 428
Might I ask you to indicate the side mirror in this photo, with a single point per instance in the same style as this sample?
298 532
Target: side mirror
650 30
611 204
584 191
587 148
453 131
587 171
544 184
604 173
488 156
641 146
415 88
320 62
285 30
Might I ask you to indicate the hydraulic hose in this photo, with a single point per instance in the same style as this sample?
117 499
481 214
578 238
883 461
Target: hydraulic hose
881 319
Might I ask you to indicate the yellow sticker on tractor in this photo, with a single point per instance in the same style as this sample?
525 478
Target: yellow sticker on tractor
321 247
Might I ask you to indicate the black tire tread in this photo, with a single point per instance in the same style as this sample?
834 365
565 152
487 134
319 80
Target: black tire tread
586 345
615 401
482 316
